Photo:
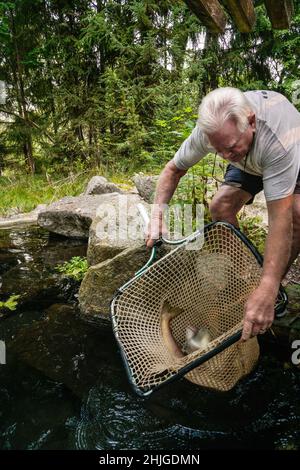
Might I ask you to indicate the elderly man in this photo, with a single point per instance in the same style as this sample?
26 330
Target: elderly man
258 132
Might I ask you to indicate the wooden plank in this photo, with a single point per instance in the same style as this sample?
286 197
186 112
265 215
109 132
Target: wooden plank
242 13
210 13
280 13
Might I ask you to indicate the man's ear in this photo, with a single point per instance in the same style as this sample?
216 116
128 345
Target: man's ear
252 120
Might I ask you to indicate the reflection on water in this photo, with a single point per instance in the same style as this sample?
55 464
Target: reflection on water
186 417
64 385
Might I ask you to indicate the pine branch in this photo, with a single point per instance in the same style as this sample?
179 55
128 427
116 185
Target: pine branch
33 124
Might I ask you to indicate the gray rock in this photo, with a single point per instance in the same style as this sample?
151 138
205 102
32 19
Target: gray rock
22 220
100 185
146 186
115 228
102 280
71 216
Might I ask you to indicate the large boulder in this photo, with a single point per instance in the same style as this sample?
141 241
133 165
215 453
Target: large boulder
100 185
116 227
102 281
146 186
71 216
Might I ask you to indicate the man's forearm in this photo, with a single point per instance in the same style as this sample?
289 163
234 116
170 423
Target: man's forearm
259 308
167 184
278 247
165 189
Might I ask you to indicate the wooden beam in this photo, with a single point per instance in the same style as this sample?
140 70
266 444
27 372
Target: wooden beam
210 13
280 13
242 13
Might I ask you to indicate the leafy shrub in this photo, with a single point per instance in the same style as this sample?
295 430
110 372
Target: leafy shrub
11 303
75 268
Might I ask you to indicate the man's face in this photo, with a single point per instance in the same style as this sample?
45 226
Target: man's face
232 144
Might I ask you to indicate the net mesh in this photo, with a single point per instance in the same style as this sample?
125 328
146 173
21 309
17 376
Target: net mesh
210 286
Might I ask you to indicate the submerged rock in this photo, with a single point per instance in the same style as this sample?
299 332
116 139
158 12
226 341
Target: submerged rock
36 285
64 348
28 269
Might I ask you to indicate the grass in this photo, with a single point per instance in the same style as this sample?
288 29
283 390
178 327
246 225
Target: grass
25 193
252 228
22 193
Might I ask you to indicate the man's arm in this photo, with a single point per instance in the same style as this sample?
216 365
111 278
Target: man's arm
190 152
259 311
166 186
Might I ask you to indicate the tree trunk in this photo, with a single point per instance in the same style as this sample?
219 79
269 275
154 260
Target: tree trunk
211 47
18 73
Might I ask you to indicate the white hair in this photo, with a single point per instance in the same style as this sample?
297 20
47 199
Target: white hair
219 106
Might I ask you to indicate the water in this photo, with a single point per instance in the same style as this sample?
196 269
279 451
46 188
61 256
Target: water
64 385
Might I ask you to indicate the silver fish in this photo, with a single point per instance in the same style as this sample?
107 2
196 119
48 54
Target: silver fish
196 338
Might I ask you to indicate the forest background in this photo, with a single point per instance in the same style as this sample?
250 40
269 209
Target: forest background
112 88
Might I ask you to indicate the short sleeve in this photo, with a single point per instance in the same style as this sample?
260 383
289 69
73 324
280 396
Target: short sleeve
280 177
192 150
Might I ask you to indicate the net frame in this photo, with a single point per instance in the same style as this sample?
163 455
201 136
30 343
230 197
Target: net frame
217 346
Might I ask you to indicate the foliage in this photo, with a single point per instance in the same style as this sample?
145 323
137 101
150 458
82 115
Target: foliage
169 130
251 227
75 268
22 193
11 303
115 85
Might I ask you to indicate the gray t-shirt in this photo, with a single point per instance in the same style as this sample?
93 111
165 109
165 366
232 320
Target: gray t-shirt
275 153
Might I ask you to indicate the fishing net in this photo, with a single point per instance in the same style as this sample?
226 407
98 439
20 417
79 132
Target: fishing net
210 287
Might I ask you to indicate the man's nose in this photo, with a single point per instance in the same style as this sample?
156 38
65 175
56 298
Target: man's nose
226 154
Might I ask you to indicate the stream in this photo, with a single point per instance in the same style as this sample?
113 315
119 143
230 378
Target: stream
64 385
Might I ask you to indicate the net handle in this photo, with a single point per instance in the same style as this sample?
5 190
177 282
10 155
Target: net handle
189 367
161 240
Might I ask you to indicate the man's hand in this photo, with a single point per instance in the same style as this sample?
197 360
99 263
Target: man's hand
259 309
155 229
166 186
259 313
